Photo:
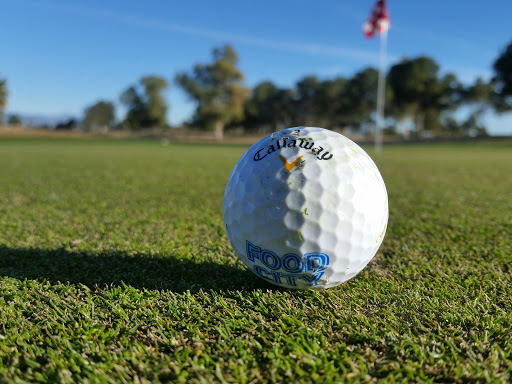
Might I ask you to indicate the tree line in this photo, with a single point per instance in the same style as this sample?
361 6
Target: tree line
417 97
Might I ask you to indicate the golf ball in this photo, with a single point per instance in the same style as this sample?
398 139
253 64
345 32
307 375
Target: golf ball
305 208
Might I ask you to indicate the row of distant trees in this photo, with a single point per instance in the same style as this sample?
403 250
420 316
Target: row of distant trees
217 88
417 96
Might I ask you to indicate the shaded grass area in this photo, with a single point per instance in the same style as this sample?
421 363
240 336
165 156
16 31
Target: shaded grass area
114 266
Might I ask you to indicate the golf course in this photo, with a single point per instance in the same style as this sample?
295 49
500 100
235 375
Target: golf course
115 267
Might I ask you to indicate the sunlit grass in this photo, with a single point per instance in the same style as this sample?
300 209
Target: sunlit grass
114 266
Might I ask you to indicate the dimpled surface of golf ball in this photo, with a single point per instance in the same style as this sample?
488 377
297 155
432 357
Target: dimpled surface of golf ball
305 208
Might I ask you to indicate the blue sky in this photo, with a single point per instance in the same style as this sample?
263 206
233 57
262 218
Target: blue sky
60 56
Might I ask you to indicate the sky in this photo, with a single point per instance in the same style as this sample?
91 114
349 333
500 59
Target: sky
60 56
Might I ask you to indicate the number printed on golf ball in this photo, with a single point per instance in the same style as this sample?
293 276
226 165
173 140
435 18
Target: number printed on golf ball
305 208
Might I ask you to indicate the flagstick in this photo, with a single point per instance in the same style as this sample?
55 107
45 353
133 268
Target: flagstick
381 93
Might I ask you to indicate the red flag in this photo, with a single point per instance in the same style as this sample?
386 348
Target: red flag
378 21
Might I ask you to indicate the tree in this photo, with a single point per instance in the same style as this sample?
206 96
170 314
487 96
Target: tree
479 97
3 98
66 125
269 108
359 98
503 80
260 108
218 90
136 116
156 104
319 102
307 100
99 116
147 107
480 92
452 127
420 94
14 120
328 102
448 97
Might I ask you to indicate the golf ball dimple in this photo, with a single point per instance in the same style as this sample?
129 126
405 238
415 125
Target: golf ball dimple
305 208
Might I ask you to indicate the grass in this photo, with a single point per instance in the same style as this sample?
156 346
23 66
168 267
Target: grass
115 267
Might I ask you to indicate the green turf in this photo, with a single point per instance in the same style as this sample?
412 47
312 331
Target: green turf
115 267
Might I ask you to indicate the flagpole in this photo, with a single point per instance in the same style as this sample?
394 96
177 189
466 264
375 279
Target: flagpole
381 94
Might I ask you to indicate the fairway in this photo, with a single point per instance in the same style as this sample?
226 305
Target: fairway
115 267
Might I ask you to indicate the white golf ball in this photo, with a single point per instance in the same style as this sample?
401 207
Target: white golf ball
305 208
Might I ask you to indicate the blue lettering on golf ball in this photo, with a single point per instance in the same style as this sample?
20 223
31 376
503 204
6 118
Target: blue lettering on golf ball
288 268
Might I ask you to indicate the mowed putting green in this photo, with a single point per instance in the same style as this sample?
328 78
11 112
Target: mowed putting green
115 267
